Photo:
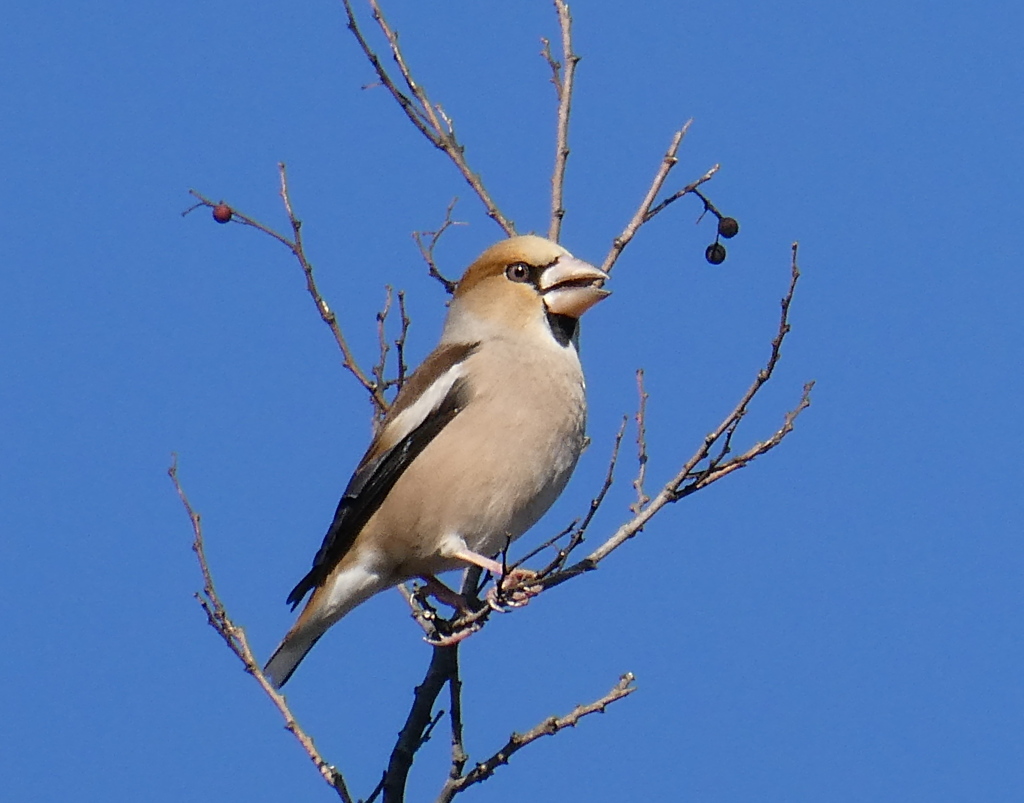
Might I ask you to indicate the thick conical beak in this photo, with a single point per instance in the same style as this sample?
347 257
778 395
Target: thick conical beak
572 286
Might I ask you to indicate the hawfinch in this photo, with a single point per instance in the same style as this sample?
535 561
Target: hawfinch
480 441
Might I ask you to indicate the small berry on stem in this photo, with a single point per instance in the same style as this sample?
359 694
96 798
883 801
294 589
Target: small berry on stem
715 253
222 213
728 227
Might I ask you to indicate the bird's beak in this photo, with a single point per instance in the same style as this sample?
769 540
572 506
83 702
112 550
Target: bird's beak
572 286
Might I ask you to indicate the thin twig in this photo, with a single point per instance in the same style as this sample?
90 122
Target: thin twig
554 64
377 789
668 161
641 445
427 250
234 636
708 206
595 504
517 741
383 347
563 81
430 727
326 313
403 334
645 212
570 528
689 188
428 117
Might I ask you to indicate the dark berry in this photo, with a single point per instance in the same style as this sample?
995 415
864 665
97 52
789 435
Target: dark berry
728 227
222 213
715 253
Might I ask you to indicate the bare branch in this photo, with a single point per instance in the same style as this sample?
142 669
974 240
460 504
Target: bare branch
549 727
712 461
668 161
327 315
403 369
563 81
717 470
676 488
427 250
443 666
691 187
383 347
459 757
428 117
234 637
687 481
571 528
641 444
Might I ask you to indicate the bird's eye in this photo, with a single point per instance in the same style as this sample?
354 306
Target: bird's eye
518 272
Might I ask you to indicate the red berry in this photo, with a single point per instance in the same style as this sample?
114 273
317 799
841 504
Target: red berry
728 227
715 253
222 213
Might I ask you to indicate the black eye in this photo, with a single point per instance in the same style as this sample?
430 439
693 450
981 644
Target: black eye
518 272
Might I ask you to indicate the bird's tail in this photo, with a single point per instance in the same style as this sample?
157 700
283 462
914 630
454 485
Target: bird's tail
346 587
290 652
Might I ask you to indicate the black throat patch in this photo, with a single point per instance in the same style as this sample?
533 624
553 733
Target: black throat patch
563 327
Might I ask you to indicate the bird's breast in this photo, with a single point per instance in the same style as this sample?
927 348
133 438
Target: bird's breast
497 467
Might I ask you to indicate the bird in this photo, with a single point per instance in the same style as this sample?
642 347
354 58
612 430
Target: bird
477 445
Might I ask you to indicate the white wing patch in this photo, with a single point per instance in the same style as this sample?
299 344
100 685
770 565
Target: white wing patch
414 415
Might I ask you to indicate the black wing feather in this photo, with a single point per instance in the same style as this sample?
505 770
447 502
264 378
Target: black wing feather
371 484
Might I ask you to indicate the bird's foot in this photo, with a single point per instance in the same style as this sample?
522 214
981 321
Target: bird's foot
508 592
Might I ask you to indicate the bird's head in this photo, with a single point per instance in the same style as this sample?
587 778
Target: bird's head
519 283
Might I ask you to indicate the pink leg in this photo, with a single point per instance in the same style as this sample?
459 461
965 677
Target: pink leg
515 600
490 565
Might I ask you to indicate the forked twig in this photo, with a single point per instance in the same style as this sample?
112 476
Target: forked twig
549 727
427 248
692 187
688 481
644 212
428 117
327 315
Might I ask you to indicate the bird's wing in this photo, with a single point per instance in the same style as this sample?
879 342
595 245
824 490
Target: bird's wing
430 398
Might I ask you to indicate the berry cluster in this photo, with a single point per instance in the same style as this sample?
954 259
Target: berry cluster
728 227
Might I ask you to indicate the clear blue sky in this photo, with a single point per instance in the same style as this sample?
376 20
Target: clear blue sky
839 622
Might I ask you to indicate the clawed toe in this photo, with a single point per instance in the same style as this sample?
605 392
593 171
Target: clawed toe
502 601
